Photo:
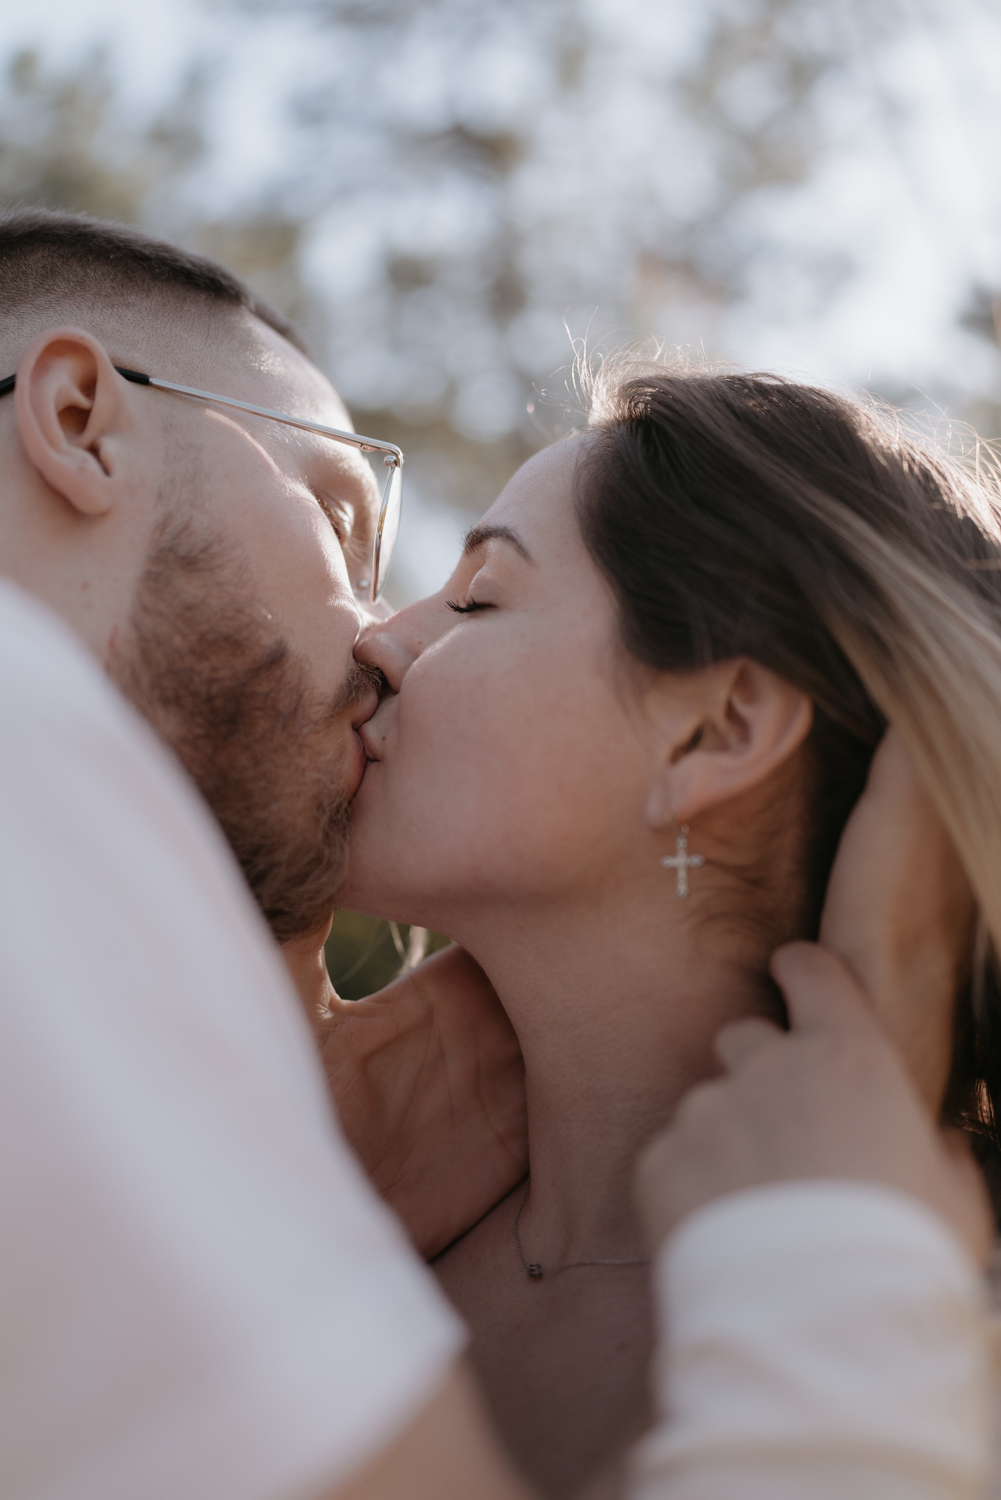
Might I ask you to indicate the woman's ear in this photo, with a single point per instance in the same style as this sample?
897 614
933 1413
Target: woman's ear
739 723
71 414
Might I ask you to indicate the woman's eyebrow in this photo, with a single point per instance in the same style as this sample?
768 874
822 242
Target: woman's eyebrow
480 535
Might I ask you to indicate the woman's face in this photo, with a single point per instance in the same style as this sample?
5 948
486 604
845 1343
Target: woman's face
511 761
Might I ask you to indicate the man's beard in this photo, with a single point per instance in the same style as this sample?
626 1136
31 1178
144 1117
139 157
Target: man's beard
230 696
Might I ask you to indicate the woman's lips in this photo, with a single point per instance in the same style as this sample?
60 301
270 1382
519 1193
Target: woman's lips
368 741
357 761
363 744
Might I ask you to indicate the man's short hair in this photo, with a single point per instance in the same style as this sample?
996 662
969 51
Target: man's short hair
50 259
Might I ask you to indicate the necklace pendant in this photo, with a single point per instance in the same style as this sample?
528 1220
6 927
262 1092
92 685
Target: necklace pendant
534 1270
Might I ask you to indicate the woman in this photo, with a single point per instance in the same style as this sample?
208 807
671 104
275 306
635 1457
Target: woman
618 753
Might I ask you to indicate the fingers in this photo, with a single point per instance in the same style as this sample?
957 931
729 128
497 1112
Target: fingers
820 991
957 1143
821 995
892 773
894 781
740 1040
973 1214
900 911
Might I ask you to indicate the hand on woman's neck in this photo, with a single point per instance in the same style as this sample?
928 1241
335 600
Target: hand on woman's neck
616 1003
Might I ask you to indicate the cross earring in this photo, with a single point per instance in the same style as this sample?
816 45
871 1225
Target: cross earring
681 861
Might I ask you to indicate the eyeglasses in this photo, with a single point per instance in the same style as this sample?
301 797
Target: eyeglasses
388 526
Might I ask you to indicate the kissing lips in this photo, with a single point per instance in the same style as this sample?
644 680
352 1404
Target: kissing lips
369 742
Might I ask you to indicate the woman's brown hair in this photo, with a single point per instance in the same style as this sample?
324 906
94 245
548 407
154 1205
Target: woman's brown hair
747 515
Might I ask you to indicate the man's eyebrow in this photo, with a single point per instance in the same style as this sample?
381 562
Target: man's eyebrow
480 535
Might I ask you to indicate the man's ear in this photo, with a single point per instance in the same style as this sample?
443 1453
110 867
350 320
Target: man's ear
739 723
71 415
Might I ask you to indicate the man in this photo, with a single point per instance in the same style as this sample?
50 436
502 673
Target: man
215 563
201 1296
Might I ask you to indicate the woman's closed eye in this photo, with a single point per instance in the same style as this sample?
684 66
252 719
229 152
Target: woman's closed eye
470 607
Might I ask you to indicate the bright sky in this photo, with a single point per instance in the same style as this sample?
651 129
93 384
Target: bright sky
903 209
911 192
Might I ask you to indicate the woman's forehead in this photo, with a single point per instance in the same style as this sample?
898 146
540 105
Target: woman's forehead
540 494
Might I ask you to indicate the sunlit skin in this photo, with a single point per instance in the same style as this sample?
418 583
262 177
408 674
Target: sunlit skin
524 773
486 693
524 755
91 462
86 458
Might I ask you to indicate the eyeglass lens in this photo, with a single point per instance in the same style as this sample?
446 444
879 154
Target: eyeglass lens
389 527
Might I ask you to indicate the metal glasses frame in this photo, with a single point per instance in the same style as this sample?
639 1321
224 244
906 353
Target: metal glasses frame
382 551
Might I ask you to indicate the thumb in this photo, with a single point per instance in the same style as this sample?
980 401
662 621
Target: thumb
820 990
739 1040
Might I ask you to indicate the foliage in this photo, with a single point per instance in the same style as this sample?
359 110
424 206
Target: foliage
458 187
362 955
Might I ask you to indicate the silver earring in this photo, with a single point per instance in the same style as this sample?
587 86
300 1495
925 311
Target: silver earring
681 861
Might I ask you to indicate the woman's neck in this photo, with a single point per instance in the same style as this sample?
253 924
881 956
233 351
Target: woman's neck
616 1009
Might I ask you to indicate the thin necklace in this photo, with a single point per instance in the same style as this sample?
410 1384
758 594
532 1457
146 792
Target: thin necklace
535 1272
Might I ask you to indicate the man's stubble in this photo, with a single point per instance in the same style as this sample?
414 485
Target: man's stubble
206 666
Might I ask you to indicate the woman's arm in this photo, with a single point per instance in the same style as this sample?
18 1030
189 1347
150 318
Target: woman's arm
899 911
824 1327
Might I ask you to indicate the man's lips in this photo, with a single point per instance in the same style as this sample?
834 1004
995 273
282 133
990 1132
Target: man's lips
366 708
362 716
370 727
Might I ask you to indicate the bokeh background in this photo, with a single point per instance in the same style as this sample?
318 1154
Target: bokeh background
451 196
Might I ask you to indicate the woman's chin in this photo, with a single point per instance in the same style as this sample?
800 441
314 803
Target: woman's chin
374 887
397 867
390 909
359 892
370 848
372 884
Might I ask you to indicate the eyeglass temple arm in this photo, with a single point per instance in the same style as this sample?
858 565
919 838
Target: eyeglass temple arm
134 375
354 439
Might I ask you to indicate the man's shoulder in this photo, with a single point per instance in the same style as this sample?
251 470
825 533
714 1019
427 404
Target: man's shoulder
56 692
98 812
44 665
69 737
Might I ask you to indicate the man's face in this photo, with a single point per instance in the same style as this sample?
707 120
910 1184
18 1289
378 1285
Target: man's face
240 642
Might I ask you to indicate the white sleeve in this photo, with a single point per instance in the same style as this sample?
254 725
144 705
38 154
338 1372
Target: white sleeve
200 1296
821 1339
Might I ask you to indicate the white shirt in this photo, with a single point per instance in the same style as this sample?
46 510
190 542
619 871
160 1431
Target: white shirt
199 1294
828 1340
